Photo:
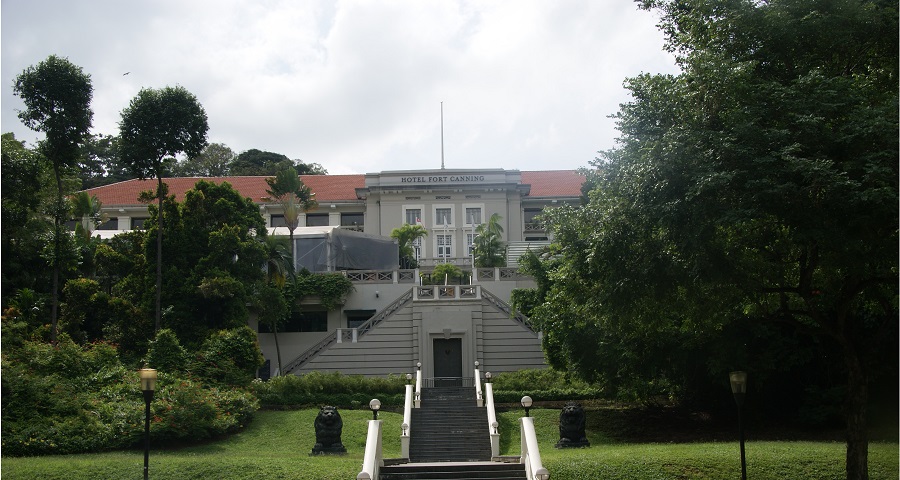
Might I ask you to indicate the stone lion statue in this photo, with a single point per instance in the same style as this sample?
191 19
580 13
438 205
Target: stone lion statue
328 431
571 427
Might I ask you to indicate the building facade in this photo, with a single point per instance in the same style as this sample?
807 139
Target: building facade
391 322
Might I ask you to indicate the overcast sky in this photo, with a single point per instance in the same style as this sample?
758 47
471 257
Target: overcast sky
357 86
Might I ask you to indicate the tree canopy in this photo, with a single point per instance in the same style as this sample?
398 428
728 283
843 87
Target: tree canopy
759 185
256 162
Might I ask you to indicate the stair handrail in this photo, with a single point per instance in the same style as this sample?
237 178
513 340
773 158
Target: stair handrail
406 427
479 397
348 334
418 398
372 459
531 455
505 308
493 426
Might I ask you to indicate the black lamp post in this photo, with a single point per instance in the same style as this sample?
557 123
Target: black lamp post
739 390
148 385
526 402
375 405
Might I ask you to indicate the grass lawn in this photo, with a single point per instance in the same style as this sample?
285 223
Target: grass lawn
277 444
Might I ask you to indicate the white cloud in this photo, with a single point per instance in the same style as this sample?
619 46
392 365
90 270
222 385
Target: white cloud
357 85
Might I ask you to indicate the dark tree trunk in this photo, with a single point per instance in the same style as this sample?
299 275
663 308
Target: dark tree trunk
857 427
277 348
159 235
57 227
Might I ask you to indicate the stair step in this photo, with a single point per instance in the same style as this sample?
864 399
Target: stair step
453 470
449 427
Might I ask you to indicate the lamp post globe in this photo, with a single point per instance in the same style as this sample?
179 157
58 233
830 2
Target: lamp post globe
375 405
526 402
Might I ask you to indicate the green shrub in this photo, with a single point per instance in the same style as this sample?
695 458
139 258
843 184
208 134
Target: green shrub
229 358
68 398
541 384
185 410
166 353
317 389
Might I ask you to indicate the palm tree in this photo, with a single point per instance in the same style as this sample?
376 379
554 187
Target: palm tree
272 304
86 209
490 251
294 196
406 235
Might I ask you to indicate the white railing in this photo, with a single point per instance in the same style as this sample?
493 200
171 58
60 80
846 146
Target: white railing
372 461
406 427
531 456
493 426
447 292
479 398
418 398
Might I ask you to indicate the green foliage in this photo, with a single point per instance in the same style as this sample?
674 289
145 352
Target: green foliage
160 124
57 97
490 250
318 388
166 353
68 398
256 162
229 358
405 235
214 161
185 410
26 191
759 184
331 288
543 385
444 273
215 252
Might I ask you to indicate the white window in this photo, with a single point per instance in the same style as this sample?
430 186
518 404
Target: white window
470 243
473 215
443 216
444 245
413 216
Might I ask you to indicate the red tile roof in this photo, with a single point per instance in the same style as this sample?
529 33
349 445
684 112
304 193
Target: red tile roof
328 188
554 183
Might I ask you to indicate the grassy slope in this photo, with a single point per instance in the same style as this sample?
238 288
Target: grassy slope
277 445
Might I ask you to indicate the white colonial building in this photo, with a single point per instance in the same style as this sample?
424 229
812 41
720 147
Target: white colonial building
390 321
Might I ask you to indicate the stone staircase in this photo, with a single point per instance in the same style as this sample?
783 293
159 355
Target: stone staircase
450 440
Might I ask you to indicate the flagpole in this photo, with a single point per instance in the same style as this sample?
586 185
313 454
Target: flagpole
442 135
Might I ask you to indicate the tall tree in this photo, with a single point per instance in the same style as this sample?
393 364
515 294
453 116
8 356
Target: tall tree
294 196
760 184
57 96
157 126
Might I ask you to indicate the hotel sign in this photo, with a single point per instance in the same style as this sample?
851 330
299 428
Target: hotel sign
443 178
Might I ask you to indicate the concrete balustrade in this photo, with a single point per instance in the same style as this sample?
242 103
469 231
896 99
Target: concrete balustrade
372 459
531 455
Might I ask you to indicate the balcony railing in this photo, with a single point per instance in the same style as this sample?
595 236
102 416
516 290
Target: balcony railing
534 226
